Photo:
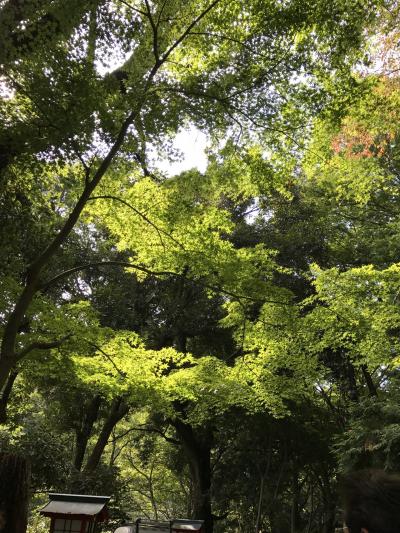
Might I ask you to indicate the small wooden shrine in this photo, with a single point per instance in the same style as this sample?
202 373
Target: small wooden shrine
75 513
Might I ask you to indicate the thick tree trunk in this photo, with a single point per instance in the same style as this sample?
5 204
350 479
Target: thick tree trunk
5 396
14 491
84 432
118 410
197 448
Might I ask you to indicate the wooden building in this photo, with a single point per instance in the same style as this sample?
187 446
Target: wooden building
75 513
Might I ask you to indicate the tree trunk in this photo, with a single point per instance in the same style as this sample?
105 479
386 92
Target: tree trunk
329 503
294 516
352 382
118 410
259 506
197 448
369 381
6 396
181 342
84 432
14 492
329 517
263 476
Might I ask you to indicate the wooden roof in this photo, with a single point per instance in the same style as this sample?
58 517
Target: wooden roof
75 505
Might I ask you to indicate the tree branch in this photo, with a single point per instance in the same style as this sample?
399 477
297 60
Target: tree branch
140 214
154 28
108 357
209 34
161 12
125 264
135 9
151 429
188 29
38 345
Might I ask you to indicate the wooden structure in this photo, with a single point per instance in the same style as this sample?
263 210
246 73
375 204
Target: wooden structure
75 513
155 526
183 526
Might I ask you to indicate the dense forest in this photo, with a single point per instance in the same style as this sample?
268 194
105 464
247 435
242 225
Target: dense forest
220 345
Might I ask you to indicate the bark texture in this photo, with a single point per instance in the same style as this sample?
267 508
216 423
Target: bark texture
84 431
197 447
14 493
118 410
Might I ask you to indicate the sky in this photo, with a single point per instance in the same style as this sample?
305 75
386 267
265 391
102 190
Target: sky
189 141
192 144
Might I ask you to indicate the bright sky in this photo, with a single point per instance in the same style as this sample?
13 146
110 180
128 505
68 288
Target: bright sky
192 143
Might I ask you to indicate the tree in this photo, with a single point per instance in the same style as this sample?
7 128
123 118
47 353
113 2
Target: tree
194 301
92 122
14 488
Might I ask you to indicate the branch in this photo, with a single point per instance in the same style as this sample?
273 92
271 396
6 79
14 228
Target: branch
146 172
133 8
209 34
125 264
140 156
42 346
140 214
147 478
154 28
225 101
122 435
188 29
239 297
150 429
161 12
108 357
85 166
336 412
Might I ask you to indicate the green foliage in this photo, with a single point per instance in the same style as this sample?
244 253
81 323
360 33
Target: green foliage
372 438
357 311
232 321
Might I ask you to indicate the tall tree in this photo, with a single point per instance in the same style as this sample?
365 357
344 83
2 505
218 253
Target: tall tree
183 61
